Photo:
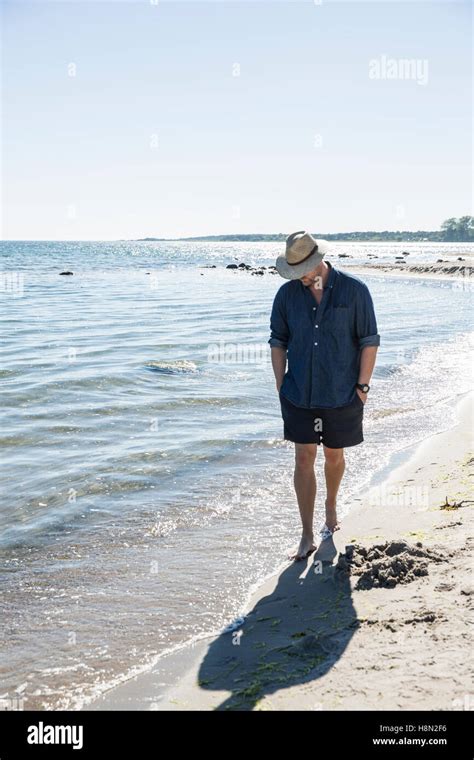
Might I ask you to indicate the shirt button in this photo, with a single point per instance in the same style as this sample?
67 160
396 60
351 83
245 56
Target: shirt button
314 308
315 344
316 325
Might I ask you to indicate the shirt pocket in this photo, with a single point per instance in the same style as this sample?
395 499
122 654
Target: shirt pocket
340 315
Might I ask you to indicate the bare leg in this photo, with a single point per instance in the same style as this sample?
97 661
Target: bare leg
305 487
334 467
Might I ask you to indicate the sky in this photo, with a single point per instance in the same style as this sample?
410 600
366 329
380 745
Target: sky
154 118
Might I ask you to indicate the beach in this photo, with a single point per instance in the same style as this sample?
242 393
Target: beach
153 490
148 510
383 625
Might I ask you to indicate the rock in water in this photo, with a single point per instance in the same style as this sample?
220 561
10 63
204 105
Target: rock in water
172 367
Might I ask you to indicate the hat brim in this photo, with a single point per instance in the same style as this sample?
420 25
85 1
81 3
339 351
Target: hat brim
295 271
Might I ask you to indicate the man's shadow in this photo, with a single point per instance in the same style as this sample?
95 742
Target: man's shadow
292 636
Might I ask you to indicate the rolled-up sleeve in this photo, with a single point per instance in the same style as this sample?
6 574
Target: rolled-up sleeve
279 332
365 321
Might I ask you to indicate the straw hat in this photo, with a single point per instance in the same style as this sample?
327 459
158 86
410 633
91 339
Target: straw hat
303 254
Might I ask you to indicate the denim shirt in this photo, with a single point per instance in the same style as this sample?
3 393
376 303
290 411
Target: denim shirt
323 341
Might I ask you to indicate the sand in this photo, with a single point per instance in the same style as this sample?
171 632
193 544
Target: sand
376 619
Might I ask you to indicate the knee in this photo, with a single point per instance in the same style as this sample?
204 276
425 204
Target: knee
304 460
334 456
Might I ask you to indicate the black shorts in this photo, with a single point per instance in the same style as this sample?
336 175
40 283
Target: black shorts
336 428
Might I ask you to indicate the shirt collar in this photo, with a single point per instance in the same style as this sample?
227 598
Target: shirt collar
332 276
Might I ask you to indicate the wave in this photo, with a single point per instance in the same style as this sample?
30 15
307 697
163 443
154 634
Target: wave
178 366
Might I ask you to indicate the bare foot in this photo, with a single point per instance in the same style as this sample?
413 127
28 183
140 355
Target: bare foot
305 548
331 518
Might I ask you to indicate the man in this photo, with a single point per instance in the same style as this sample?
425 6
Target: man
323 322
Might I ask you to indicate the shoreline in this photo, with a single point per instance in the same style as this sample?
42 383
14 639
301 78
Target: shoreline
462 273
445 271
249 665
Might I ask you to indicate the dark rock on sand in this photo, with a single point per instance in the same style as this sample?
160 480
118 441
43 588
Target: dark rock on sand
460 270
385 565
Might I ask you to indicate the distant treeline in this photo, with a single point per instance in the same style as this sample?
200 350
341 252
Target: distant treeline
452 230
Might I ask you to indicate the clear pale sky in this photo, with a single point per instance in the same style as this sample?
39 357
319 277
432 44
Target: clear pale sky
156 136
